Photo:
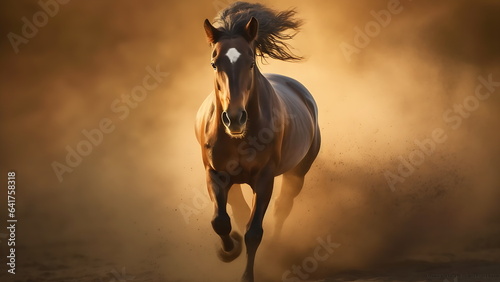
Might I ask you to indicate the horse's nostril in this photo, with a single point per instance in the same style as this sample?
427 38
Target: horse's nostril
243 117
225 119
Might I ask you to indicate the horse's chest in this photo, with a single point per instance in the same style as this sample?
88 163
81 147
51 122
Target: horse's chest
224 157
237 158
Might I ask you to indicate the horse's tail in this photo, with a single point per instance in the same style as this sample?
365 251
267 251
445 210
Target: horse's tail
273 28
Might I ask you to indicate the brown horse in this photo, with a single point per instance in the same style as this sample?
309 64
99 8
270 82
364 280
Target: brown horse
253 127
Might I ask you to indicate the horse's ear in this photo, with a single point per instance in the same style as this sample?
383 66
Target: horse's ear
213 34
251 29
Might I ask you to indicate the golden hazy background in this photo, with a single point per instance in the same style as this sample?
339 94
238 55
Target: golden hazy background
124 208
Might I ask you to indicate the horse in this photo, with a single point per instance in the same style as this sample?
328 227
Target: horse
253 127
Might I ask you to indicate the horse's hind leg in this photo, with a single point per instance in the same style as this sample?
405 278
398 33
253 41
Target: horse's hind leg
292 183
241 210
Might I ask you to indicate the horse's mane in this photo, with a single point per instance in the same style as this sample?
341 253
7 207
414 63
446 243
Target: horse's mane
273 25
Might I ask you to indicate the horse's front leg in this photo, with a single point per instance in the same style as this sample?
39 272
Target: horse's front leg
263 189
221 223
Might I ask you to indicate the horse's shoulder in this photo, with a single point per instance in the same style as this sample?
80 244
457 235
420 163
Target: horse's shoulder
203 116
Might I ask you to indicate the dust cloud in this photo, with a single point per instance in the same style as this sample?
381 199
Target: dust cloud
135 206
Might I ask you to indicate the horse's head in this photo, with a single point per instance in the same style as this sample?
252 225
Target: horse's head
233 61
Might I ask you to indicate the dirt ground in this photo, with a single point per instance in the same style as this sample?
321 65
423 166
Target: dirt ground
405 188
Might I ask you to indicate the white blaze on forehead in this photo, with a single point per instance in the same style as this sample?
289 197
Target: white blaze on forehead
233 55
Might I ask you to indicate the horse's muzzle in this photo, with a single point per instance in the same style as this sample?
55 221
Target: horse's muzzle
235 122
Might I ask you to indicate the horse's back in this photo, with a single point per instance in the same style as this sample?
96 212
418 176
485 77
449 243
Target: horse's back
300 114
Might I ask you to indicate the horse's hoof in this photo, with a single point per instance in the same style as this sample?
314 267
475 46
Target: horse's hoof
235 252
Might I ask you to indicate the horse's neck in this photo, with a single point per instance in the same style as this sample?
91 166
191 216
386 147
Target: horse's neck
263 97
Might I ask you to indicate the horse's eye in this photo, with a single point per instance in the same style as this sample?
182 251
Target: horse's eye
252 65
213 66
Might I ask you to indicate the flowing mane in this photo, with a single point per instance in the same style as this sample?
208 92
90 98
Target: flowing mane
273 27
